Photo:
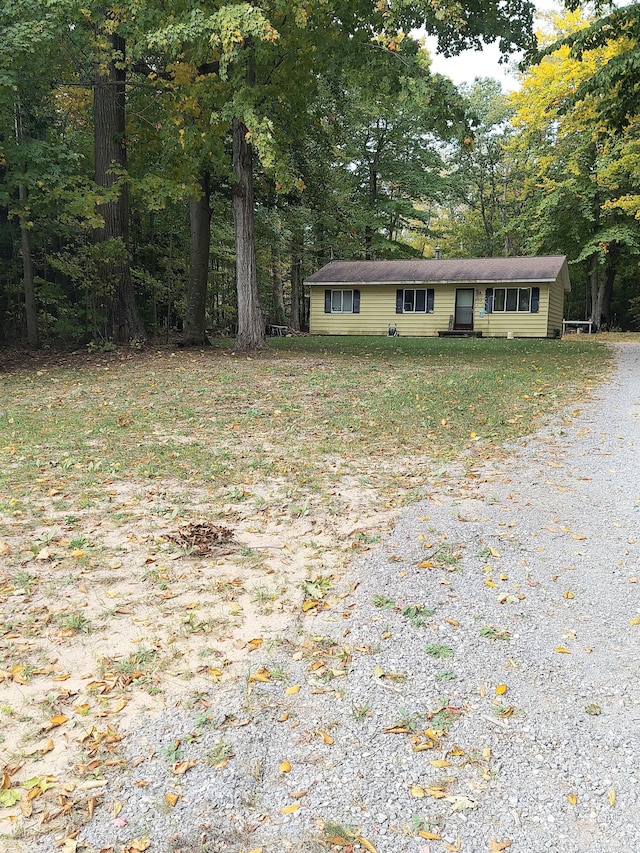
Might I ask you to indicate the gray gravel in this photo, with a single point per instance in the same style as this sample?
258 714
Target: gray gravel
550 765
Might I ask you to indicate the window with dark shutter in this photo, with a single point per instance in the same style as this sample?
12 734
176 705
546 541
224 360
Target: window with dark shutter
430 300
327 302
535 300
356 301
399 301
488 300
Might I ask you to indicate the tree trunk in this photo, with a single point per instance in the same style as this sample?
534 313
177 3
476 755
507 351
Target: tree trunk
250 323
30 307
597 292
276 284
123 319
200 219
296 263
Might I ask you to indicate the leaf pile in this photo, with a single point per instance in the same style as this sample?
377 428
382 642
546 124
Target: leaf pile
202 538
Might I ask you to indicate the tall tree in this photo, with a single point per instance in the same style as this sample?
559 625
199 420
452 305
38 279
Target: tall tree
110 152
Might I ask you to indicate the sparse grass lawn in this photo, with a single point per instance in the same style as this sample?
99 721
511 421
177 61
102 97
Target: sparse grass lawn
299 453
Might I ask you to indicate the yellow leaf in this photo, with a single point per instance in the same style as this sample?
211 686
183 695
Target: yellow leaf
116 808
440 762
417 791
285 767
119 705
56 721
490 583
283 717
138 845
501 689
611 796
172 798
290 809
635 620
326 737
573 799
430 836
181 767
5 548
367 845
378 672
421 747
568 594
309 604
260 675
291 691
453 622
561 650
426 564
494 553
254 644
486 753
437 793
577 537
77 553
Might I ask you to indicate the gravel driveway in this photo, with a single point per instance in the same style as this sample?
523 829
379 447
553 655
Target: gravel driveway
474 689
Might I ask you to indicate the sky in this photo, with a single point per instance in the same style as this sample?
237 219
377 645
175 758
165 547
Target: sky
471 64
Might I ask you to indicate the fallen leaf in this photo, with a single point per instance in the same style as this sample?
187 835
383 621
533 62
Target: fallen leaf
254 644
573 799
5 548
501 689
635 620
367 845
494 553
291 691
284 767
116 808
56 721
417 791
461 803
283 717
611 796
568 594
290 809
378 672
499 846
138 845
326 737
181 767
260 675
9 797
561 650
172 798
440 762
430 836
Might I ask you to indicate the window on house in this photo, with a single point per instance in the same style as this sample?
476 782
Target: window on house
342 302
414 301
513 299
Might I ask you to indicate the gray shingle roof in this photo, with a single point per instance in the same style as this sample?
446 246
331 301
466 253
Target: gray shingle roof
445 270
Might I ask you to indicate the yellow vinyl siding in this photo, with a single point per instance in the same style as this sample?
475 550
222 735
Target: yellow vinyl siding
556 309
378 312
523 324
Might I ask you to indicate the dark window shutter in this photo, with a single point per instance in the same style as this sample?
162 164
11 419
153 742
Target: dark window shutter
399 301
535 300
356 301
327 302
430 298
488 300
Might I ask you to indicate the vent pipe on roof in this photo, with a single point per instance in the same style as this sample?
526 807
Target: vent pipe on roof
437 253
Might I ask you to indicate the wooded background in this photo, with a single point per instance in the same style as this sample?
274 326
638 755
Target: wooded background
180 166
